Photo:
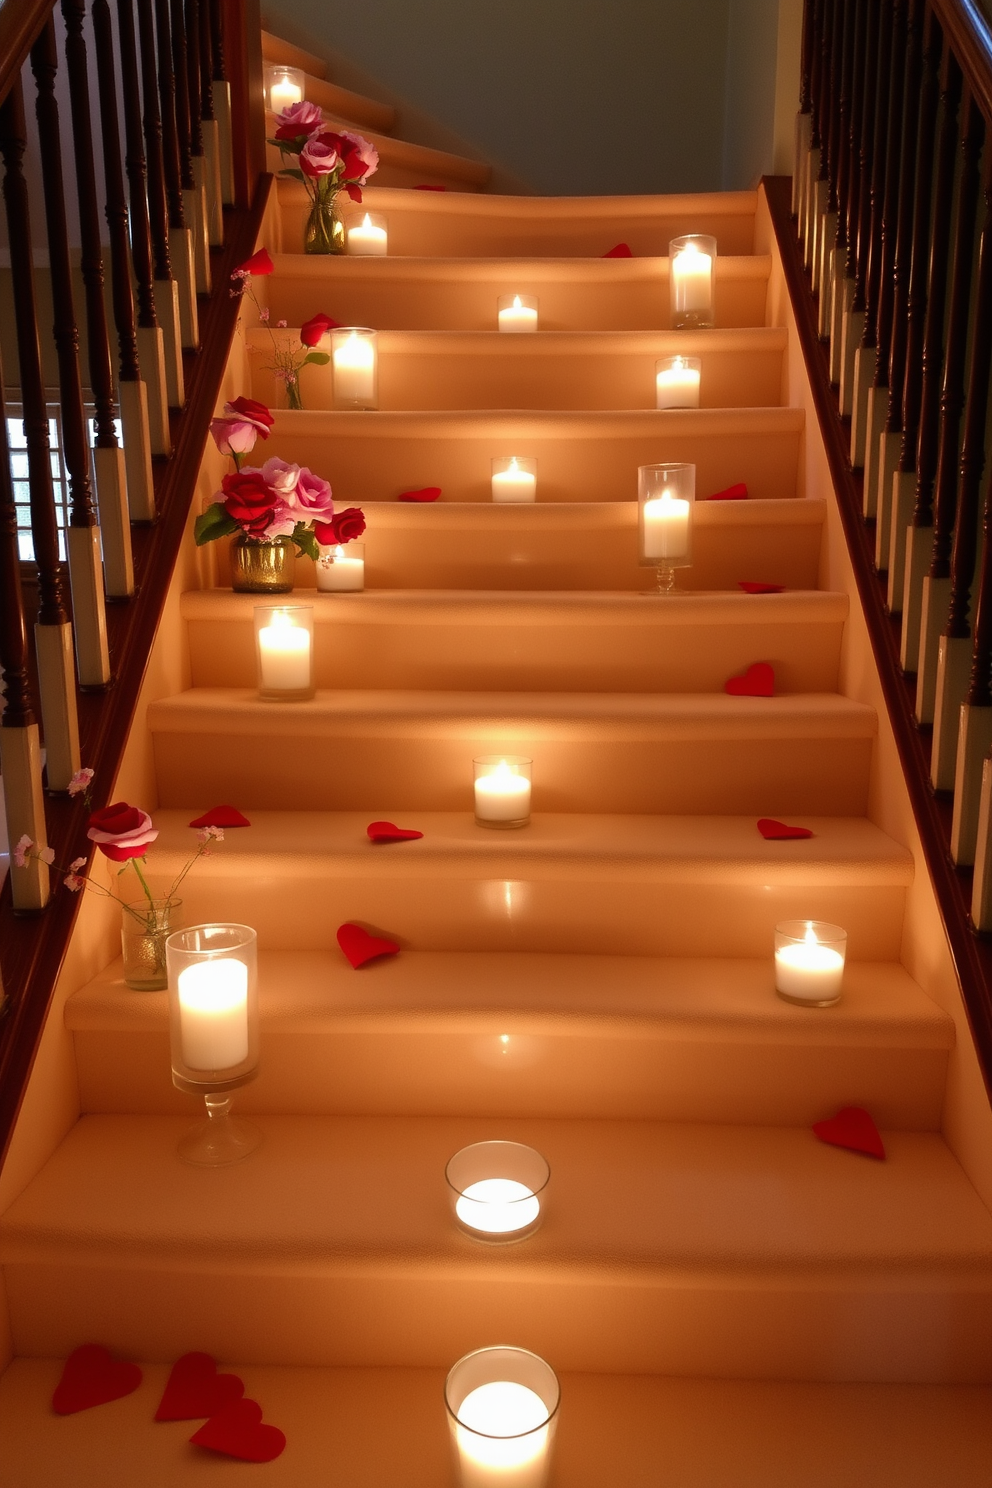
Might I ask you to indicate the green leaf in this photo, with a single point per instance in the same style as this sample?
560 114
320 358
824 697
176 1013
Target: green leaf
318 358
213 524
304 539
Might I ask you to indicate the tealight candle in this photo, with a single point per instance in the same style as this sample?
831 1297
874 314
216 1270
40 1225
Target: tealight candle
502 1409
284 639
497 1189
353 357
502 791
691 261
341 570
677 382
665 496
213 1011
517 313
285 87
368 237
809 961
514 480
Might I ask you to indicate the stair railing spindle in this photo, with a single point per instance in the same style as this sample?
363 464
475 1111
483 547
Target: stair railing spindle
866 355
834 225
821 185
860 235
803 118
180 238
221 92
839 285
202 175
210 130
194 206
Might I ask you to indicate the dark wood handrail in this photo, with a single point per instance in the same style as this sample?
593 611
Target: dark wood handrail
21 23
969 33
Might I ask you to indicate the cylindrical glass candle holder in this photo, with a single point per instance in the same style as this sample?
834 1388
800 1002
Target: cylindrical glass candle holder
284 86
355 365
677 382
496 1190
516 312
502 790
341 568
367 236
665 498
809 962
284 650
213 1032
691 270
502 1413
514 479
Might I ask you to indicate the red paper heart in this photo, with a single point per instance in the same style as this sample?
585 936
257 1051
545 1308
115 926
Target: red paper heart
92 1376
359 946
429 493
757 681
776 831
221 816
732 493
750 586
194 1388
853 1128
388 832
622 250
238 1432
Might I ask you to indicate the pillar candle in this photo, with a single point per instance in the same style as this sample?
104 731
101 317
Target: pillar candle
691 271
502 1437
514 484
666 527
354 370
367 239
502 795
518 317
284 656
338 572
213 1011
808 970
678 385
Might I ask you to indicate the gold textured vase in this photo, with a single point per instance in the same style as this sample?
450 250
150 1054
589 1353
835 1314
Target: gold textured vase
259 567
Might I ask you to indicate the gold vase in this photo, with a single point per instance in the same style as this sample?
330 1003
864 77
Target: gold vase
260 567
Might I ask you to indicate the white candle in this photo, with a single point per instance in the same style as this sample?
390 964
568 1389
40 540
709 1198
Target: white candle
366 238
691 271
283 93
338 573
502 796
808 970
213 1011
284 655
497 1206
514 484
678 386
354 370
518 317
666 527
502 1436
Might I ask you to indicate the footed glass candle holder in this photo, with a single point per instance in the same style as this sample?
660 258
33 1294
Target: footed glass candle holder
677 382
213 1032
516 312
809 962
514 479
284 86
355 367
665 498
341 568
692 264
284 650
496 1190
368 237
502 790
502 1408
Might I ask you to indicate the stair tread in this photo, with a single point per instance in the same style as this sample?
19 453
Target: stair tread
406 155
353 108
749 340
275 49
412 268
800 511
558 423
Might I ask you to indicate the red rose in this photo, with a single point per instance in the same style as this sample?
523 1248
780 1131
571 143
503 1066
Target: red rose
342 528
121 831
259 263
315 327
251 409
250 501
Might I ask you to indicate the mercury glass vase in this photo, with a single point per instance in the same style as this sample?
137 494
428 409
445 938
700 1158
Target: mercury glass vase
145 927
260 567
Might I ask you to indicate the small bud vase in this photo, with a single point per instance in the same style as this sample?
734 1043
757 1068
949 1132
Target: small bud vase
323 231
260 567
145 927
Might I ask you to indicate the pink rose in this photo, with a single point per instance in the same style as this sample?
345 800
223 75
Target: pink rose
281 477
298 119
313 496
121 831
319 157
234 436
360 156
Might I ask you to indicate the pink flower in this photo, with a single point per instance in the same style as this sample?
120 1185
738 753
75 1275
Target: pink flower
243 420
76 864
22 849
281 323
313 496
298 119
121 831
263 316
74 882
281 477
46 855
361 158
210 834
319 156
80 782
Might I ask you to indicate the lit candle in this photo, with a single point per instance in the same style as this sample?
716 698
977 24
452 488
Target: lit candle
497 1206
354 370
502 1436
283 93
518 316
514 484
502 796
339 572
666 527
213 1011
691 273
806 970
284 655
677 384
365 237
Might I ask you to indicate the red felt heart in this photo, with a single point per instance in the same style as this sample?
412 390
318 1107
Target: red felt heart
750 586
757 681
238 1432
194 1388
852 1127
622 250
732 493
776 831
388 832
359 946
429 493
92 1376
221 816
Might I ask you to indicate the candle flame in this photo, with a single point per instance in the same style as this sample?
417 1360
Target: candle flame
339 551
516 303
366 220
810 936
678 364
279 620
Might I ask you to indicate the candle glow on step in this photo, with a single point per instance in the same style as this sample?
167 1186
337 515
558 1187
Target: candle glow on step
353 357
691 261
502 791
213 1009
285 86
809 961
514 481
517 313
677 382
368 237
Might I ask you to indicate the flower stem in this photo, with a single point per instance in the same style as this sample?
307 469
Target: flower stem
135 863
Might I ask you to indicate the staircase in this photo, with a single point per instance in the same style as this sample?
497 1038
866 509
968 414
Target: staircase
728 1301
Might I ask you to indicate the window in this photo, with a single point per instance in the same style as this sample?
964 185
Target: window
19 474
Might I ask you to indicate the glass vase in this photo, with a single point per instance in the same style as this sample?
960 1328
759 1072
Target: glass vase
260 567
145 927
323 231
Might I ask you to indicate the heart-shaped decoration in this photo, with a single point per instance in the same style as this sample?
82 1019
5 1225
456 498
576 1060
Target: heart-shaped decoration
238 1432
732 493
853 1128
750 586
622 250
389 832
429 493
359 946
194 1388
221 816
776 831
757 681
92 1376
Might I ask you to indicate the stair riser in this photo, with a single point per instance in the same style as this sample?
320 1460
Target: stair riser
401 164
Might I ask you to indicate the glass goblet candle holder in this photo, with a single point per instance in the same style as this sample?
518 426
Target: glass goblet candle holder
496 1190
341 568
213 1033
677 382
502 790
809 962
514 479
355 367
367 236
284 652
516 312
502 1406
691 270
284 86
665 498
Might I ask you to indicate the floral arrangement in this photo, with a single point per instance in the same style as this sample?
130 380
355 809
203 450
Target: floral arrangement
287 362
329 161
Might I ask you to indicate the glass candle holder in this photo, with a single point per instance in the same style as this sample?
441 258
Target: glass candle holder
677 382
502 790
502 1406
355 366
514 479
367 236
665 498
284 86
516 312
341 568
692 263
284 649
213 1032
809 962
496 1190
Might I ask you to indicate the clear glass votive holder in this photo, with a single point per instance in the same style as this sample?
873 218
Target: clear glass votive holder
341 568
284 86
514 479
355 367
516 312
666 496
213 1033
502 1406
691 270
284 652
367 236
502 790
496 1190
677 382
809 962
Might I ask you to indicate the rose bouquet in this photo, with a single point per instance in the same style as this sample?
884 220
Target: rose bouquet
330 161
